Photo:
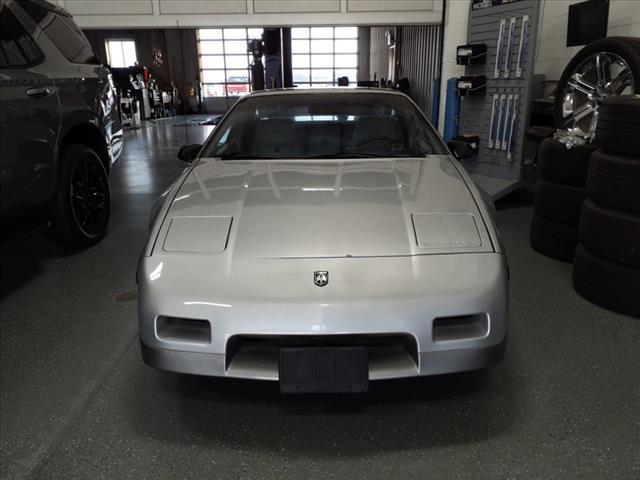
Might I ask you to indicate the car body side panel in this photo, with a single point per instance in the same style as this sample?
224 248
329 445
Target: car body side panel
29 133
29 129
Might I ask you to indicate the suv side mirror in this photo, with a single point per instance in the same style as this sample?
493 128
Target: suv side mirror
460 149
188 153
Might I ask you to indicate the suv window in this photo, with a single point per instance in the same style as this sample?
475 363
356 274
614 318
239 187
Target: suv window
62 31
17 48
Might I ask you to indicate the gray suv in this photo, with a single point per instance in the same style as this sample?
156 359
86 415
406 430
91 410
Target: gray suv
60 128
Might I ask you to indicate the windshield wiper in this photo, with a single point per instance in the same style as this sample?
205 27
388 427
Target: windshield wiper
363 155
346 155
245 156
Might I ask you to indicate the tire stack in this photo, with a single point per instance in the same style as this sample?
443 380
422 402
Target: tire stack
559 196
606 268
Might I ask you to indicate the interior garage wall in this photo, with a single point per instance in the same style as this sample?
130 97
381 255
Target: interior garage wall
379 52
417 49
179 51
418 60
455 33
553 54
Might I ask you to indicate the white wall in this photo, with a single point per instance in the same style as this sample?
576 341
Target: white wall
203 13
455 33
553 54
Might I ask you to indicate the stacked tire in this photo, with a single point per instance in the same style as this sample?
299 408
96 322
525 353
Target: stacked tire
559 196
606 267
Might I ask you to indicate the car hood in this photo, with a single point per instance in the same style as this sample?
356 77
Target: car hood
323 208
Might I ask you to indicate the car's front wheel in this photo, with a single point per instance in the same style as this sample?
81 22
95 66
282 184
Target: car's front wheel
81 207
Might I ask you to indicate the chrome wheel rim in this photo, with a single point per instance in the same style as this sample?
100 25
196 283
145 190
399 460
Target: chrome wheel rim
598 76
90 196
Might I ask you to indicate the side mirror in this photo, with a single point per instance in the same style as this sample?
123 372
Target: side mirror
460 149
188 153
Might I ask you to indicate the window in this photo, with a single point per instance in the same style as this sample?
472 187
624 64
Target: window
324 125
62 31
17 48
224 61
320 55
121 53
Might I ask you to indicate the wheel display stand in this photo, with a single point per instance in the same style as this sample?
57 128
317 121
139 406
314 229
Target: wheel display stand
499 116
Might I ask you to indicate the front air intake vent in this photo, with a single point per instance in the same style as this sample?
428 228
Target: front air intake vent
183 330
466 327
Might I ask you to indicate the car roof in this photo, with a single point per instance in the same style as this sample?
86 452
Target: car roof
332 90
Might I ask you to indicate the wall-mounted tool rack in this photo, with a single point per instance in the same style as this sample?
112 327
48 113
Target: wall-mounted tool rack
499 117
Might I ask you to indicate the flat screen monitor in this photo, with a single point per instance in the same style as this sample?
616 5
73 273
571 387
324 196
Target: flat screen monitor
587 22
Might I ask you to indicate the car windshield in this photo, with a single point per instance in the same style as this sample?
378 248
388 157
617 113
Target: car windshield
323 125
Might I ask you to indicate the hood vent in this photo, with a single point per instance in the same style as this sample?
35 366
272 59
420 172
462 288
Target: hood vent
445 230
197 234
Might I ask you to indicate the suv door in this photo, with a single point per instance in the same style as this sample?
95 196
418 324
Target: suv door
85 86
29 126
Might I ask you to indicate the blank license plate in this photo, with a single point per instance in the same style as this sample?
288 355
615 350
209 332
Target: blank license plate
324 370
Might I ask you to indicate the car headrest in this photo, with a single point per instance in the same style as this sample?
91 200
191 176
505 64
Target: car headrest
374 133
276 137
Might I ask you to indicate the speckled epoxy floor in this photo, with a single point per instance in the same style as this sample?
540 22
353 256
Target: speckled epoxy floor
77 401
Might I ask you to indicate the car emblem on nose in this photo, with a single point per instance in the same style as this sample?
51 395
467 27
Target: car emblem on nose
321 278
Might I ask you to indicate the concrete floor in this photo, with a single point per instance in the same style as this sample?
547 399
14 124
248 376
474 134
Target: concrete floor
77 401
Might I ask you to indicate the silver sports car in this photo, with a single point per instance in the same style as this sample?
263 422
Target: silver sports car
322 238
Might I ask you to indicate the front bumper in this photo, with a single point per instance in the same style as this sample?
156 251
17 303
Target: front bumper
366 298
430 363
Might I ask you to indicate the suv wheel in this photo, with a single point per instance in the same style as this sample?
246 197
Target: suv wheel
80 213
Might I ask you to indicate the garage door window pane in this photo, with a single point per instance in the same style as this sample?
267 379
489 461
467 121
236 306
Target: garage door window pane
321 46
214 90
235 46
347 46
115 55
300 61
213 76
300 32
237 76
322 61
212 61
301 76
121 53
346 61
300 46
255 33
237 61
322 32
129 49
210 34
322 75
351 73
210 47
235 33
346 32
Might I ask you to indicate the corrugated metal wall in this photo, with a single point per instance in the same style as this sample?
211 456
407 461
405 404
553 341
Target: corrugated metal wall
416 58
379 53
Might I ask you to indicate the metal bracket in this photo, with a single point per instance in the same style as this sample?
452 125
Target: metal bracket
498 143
514 115
492 125
496 71
507 60
524 31
507 122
